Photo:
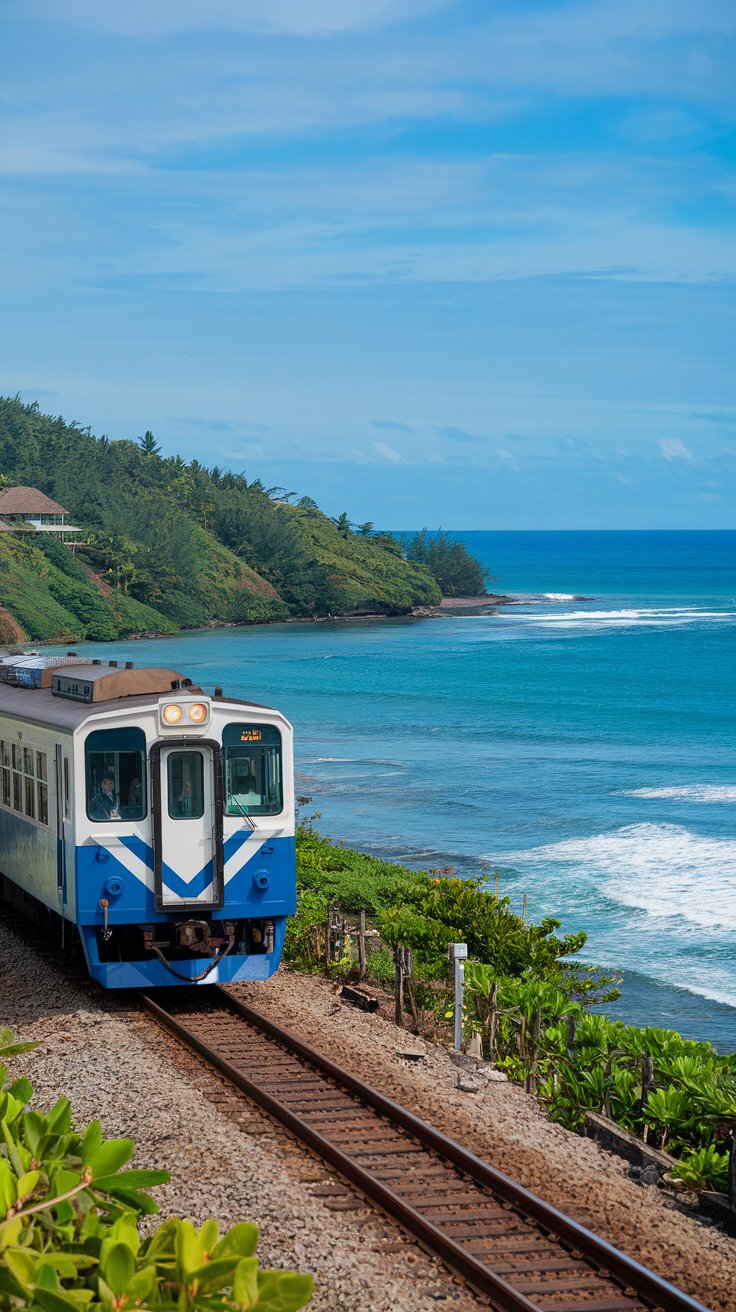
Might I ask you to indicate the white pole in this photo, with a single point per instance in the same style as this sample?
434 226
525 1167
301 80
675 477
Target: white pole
458 953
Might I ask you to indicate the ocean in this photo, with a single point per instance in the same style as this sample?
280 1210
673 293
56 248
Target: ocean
583 749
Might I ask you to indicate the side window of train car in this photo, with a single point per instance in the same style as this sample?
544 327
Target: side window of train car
42 788
5 792
24 787
17 763
115 774
252 755
29 783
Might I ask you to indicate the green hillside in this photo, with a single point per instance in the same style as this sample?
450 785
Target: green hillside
170 545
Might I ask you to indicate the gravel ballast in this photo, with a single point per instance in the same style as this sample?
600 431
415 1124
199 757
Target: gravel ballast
117 1066
505 1126
230 1161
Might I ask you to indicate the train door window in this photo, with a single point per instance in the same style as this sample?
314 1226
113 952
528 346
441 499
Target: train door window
185 772
67 811
253 784
115 773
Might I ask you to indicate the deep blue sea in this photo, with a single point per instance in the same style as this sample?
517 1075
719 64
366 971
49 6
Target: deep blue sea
582 748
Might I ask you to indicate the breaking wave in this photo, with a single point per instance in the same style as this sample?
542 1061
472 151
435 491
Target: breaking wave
664 870
687 793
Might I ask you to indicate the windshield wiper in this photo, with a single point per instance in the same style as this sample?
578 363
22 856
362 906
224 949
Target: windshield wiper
244 814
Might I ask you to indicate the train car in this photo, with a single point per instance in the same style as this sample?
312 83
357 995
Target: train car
155 822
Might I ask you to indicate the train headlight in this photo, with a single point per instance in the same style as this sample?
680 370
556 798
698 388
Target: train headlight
171 714
198 713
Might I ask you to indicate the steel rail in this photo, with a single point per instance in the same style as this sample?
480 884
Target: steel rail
604 1257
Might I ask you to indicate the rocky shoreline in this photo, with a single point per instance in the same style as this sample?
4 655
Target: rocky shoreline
465 605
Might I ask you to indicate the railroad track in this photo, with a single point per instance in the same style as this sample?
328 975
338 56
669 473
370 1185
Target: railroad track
510 1246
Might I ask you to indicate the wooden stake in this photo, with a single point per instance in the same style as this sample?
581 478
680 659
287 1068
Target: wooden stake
399 999
409 963
362 959
328 937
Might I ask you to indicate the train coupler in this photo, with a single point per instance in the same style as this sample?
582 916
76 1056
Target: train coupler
194 936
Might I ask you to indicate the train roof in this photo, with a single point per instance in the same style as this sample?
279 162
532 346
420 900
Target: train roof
43 706
105 683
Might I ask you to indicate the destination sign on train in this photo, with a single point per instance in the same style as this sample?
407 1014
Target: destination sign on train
251 736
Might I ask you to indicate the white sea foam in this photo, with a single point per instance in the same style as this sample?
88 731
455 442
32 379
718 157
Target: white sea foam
559 596
687 793
663 870
328 760
639 616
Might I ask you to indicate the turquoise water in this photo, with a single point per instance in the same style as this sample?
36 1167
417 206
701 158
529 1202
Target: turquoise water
583 748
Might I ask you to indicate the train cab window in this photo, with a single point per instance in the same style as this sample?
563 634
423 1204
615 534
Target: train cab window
253 784
115 771
185 772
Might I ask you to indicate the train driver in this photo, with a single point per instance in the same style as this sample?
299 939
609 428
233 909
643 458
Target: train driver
105 803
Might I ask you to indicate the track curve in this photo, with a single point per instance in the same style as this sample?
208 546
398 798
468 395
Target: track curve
509 1245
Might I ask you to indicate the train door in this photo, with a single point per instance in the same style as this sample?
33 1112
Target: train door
188 825
61 775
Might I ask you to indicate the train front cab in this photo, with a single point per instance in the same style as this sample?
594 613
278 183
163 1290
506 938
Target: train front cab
185 862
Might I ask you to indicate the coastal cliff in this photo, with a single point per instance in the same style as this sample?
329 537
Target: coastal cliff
166 544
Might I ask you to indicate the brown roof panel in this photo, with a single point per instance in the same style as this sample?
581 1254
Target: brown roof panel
28 501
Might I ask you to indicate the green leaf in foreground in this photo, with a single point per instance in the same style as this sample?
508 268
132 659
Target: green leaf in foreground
70 1243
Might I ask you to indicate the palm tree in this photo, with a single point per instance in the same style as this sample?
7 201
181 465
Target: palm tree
148 444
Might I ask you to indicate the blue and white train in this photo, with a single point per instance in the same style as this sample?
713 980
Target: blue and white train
153 820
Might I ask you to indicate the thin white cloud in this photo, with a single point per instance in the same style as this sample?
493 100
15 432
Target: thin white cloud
673 448
151 19
388 453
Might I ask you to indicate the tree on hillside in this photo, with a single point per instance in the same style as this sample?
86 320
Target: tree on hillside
148 444
458 573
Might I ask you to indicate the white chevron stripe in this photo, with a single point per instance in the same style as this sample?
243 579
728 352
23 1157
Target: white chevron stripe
137 867
244 854
133 864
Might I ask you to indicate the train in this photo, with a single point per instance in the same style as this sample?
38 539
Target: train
146 820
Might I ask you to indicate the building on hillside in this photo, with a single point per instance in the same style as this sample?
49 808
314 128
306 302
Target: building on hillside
28 510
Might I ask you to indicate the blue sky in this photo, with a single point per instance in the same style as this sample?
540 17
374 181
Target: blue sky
469 264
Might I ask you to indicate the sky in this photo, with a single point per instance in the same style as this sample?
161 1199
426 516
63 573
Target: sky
465 264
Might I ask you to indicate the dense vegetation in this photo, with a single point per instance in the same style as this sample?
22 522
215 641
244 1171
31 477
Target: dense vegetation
458 573
169 544
675 1093
69 1237
525 998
